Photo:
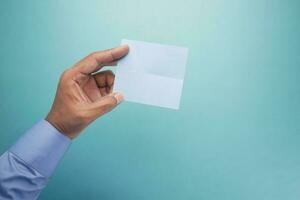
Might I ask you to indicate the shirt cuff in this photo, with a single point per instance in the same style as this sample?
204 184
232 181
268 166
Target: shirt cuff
42 147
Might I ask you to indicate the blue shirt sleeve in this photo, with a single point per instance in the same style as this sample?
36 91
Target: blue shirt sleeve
26 167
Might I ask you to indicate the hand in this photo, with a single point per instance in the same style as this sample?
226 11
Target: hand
83 95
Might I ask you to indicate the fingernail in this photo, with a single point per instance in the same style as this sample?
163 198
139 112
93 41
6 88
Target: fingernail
119 97
125 45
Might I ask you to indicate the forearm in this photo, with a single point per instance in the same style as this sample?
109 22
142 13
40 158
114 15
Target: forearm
83 95
27 165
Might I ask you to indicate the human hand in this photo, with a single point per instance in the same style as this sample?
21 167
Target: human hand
83 95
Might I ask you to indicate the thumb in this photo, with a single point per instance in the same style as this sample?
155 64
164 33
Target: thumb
107 103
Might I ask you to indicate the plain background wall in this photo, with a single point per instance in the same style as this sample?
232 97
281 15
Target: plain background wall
237 133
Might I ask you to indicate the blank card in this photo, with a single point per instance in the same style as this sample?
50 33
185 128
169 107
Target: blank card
152 74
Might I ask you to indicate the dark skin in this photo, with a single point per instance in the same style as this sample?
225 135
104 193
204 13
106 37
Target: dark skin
83 94
97 85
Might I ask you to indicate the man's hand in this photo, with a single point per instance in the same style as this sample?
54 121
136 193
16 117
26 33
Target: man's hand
82 96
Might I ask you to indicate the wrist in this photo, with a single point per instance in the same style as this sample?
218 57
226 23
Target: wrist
58 125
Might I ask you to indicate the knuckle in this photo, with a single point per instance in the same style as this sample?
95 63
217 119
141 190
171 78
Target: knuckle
93 55
109 72
108 105
106 108
65 77
112 103
65 73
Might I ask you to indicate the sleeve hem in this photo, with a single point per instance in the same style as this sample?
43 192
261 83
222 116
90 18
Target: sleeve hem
42 147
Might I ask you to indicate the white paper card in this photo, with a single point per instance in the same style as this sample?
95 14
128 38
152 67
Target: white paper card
152 74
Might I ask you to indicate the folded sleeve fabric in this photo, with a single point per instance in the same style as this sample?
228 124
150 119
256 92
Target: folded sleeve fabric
26 167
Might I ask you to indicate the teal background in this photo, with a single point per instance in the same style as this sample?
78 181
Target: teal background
237 133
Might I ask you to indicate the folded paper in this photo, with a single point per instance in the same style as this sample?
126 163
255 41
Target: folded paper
152 74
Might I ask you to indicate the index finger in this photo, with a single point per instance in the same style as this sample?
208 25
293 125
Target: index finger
97 60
